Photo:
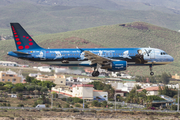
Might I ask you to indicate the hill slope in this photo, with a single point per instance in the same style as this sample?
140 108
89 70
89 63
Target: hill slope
137 34
42 19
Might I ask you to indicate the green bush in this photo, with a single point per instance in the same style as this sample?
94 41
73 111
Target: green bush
59 106
119 106
86 106
73 110
104 103
9 105
110 105
173 107
66 106
73 100
3 104
20 105
96 103
2 100
40 102
47 105
35 104
77 105
44 109
77 100
94 111
57 110
63 99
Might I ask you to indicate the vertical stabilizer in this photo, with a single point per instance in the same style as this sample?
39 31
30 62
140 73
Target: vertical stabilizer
22 39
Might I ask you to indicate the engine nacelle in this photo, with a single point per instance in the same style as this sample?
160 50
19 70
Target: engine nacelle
118 66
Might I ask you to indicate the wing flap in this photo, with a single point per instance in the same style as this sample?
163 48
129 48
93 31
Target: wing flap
95 58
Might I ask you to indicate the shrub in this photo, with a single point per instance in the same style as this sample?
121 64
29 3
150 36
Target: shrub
47 105
110 105
20 96
95 103
119 106
77 100
59 106
40 101
104 103
3 104
35 104
33 110
66 106
9 105
20 105
2 100
4 110
53 109
28 97
131 112
73 110
44 109
93 111
57 110
77 105
63 99
101 111
86 106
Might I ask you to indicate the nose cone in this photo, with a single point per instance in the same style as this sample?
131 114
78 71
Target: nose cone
171 59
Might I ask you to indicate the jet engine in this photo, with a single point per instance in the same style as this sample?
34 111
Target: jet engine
118 66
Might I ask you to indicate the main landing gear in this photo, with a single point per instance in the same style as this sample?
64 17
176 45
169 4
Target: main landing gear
96 72
151 73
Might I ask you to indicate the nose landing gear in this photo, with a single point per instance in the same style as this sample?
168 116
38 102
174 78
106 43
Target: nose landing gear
151 73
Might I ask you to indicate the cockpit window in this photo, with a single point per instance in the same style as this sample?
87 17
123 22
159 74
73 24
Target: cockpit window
163 53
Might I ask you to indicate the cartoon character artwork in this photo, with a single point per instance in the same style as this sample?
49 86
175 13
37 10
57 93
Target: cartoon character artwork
139 58
41 55
125 55
58 55
100 53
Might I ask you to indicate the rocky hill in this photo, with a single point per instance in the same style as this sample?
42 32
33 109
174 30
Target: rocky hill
41 17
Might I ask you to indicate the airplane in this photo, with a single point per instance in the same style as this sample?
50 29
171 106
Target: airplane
111 59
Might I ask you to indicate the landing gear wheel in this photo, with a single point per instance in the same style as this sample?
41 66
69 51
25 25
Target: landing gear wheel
95 73
151 73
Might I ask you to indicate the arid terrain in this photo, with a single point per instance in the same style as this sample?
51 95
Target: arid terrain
99 115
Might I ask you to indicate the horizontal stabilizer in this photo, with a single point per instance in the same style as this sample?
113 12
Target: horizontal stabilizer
20 53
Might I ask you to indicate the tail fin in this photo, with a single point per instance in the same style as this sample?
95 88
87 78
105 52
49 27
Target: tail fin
22 39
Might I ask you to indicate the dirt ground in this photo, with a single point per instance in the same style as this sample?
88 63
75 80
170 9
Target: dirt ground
52 115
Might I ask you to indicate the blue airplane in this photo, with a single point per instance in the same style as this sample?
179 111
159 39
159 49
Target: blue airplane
111 59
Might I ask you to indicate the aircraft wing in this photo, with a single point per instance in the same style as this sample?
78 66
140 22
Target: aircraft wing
95 58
